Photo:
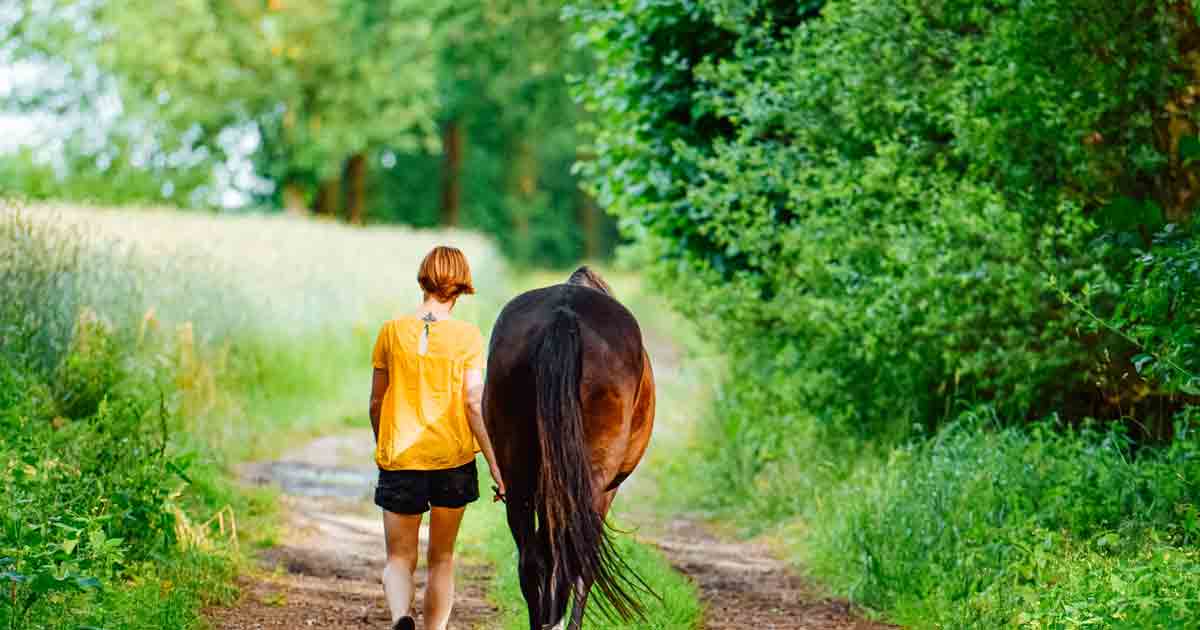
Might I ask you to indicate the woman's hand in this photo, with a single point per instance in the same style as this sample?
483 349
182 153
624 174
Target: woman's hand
499 489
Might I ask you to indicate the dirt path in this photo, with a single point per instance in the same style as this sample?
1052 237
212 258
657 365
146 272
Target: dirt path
744 586
325 571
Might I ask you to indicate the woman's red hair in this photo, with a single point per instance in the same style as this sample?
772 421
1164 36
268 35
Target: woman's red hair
445 274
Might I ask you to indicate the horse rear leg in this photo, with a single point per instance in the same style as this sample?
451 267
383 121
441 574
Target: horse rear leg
530 567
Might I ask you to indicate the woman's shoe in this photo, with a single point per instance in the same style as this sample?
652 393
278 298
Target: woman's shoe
405 623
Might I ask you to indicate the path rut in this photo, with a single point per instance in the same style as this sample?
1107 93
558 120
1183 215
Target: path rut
325 571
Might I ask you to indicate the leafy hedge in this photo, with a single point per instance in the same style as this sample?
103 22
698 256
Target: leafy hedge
898 217
874 195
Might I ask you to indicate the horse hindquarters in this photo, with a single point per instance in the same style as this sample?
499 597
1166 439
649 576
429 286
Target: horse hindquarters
579 551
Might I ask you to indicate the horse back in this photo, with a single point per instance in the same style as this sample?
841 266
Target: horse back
613 363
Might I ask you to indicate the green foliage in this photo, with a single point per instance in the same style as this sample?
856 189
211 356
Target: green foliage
874 199
90 474
321 80
893 214
1037 528
502 76
1157 310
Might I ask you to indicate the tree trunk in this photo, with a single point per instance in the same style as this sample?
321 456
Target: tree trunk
524 189
326 203
452 144
293 199
1178 186
589 217
355 178
590 220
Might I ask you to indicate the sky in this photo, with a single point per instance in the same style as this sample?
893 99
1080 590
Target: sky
16 130
46 133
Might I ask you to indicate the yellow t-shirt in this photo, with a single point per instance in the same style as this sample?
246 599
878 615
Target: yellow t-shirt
423 422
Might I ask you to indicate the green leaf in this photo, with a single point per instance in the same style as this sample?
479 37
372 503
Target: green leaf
1189 149
178 470
47 583
1140 361
1125 214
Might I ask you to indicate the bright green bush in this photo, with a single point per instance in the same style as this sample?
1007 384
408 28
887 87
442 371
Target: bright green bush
874 198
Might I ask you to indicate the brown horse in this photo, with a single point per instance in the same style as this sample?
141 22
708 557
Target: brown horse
569 407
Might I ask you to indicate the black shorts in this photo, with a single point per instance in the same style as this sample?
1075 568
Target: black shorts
413 491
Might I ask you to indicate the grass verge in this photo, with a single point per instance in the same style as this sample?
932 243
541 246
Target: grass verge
982 525
487 536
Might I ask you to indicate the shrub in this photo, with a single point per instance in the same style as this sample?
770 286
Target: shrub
872 196
897 217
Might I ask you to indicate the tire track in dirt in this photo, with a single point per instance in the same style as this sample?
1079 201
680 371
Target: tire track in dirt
744 586
742 583
325 573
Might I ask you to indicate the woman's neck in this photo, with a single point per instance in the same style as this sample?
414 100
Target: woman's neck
440 310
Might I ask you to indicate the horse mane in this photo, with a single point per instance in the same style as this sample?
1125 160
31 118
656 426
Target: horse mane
585 277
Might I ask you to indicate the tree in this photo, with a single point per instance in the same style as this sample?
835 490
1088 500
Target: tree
509 132
324 81
865 200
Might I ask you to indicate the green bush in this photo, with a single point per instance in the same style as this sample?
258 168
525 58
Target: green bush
897 217
90 471
874 197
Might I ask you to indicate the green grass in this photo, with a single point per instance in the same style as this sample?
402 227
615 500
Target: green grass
486 535
1037 528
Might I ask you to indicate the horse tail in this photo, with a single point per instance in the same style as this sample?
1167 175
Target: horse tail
580 550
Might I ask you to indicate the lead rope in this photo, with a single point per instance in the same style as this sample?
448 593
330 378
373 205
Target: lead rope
423 349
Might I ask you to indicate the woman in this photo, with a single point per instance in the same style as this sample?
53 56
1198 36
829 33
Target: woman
426 395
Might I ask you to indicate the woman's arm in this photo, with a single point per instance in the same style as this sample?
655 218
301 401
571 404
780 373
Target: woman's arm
474 385
379 386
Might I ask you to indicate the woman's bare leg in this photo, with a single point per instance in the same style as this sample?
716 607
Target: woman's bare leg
439 593
402 532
